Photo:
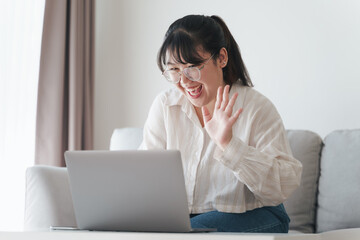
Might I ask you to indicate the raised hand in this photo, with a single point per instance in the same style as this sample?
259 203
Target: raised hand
219 124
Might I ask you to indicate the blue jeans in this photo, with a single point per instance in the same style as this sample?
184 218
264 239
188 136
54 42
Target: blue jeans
260 220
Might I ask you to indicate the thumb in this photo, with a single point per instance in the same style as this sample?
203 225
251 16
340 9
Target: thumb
206 114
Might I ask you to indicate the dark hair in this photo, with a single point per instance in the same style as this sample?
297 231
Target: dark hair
187 34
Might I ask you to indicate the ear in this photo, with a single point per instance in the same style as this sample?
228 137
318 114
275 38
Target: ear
223 58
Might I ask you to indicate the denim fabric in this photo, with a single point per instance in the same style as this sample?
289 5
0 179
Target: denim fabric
260 220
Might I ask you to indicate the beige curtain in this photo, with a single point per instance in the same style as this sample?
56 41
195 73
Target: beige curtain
65 93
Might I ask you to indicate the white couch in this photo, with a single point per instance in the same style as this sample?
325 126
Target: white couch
327 199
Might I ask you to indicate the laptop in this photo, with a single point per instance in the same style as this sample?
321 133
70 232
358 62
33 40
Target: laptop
129 190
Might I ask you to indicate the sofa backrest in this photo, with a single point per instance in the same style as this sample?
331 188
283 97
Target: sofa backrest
339 184
126 138
301 205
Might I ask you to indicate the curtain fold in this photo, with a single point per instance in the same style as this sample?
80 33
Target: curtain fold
65 92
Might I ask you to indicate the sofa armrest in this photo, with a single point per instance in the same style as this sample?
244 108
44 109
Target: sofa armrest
48 199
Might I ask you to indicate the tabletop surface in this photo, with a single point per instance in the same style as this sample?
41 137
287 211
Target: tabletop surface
91 235
343 234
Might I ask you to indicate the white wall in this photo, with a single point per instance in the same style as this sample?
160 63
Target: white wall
303 55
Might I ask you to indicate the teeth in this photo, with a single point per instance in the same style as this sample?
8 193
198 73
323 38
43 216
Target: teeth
194 89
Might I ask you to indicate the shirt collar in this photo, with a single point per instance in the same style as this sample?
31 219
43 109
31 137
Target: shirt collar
177 98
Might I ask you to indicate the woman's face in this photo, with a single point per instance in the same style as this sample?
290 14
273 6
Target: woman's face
202 92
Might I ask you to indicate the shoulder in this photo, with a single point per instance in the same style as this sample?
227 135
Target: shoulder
254 97
255 104
248 96
159 105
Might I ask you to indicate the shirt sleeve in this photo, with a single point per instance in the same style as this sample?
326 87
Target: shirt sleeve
265 165
154 133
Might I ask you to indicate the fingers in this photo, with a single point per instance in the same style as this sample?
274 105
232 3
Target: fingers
218 98
229 107
236 115
225 97
223 102
222 97
206 114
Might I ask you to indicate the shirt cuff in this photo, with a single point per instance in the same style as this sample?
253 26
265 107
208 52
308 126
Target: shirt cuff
233 154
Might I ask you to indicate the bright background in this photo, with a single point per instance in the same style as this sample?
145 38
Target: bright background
303 55
20 41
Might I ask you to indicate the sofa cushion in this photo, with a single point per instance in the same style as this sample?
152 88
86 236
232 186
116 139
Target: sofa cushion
301 205
48 199
126 138
339 184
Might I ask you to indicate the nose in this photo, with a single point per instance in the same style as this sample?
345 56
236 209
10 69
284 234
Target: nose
184 80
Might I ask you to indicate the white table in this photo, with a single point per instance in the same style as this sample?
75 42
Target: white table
346 234
92 235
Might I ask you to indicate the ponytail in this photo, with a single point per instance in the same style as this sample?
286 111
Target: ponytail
235 69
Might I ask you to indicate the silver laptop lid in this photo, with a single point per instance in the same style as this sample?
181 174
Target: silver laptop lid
131 190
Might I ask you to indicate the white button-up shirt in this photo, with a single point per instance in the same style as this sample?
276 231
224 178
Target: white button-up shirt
256 168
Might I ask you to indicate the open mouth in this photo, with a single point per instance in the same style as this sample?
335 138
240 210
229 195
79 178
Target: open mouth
195 92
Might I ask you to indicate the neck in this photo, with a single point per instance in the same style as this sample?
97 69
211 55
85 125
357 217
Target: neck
210 106
200 116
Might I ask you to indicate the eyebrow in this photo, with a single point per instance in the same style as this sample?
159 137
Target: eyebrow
175 64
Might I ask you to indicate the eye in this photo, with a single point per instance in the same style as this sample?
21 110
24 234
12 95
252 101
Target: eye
173 69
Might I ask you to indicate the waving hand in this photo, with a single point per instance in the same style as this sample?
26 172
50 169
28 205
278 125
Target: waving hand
219 124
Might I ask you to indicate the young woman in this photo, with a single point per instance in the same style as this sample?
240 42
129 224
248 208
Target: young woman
237 161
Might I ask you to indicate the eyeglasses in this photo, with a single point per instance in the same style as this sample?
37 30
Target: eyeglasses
192 73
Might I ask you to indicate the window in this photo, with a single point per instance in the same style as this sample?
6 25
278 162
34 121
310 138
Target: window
21 24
